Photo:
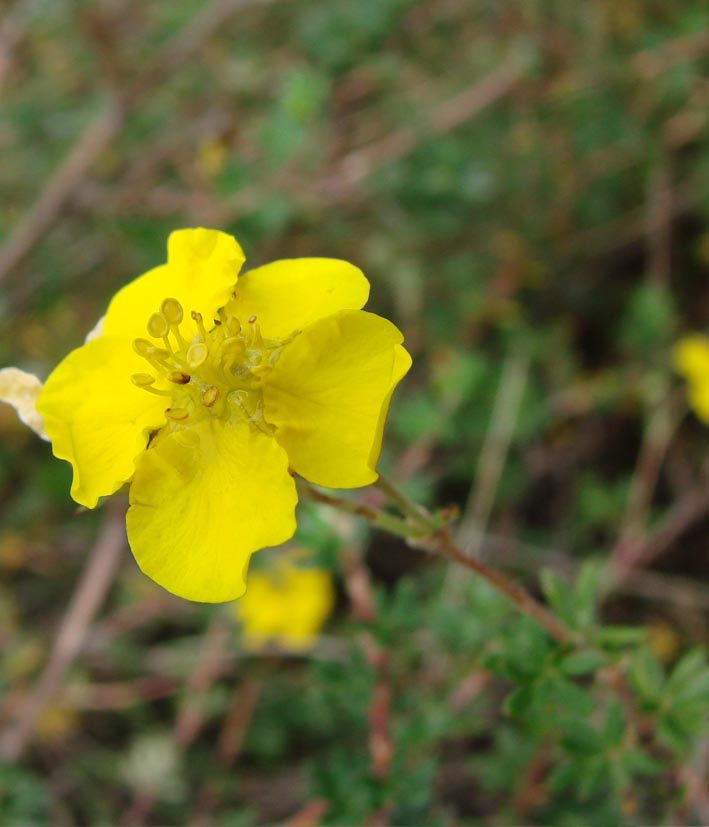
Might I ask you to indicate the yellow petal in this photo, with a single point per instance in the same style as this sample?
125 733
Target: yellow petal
202 500
402 363
698 396
21 389
201 271
96 418
690 356
293 293
328 394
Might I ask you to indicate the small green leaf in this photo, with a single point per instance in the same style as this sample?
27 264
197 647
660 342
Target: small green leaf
517 703
582 740
620 637
582 663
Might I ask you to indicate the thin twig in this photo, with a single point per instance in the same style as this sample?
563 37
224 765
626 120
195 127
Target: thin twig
478 508
72 170
95 138
352 170
424 532
375 517
661 425
443 543
90 592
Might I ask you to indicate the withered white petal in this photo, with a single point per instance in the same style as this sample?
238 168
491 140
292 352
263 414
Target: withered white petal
21 389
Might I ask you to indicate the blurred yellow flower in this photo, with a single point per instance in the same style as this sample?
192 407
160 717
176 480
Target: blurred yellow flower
285 606
691 360
235 389
211 157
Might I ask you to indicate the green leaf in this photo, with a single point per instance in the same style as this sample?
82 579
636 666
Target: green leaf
615 725
646 676
517 703
559 595
582 663
620 637
582 740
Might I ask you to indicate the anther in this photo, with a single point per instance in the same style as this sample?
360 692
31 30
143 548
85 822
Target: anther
145 382
178 377
233 348
143 347
148 350
172 311
252 319
197 354
158 327
142 380
178 414
210 396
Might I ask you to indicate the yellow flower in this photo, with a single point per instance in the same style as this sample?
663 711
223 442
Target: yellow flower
286 606
691 360
234 389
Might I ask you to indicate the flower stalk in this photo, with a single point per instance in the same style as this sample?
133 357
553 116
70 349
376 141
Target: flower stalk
429 532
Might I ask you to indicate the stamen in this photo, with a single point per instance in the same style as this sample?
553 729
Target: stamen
232 348
197 317
172 310
259 371
222 367
148 350
256 338
158 326
197 354
142 380
143 347
210 396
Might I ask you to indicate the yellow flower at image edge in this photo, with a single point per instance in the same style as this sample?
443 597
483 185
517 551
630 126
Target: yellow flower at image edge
691 360
286 606
207 390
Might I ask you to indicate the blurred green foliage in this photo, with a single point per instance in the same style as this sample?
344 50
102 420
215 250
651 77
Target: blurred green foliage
560 217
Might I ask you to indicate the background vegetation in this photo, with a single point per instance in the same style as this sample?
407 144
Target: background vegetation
526 186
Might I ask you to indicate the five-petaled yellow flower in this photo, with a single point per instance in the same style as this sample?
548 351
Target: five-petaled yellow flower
207 394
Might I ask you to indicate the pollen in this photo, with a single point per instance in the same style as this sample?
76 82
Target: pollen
210 396
218 371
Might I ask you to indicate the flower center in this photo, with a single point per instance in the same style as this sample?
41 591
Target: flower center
217 372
